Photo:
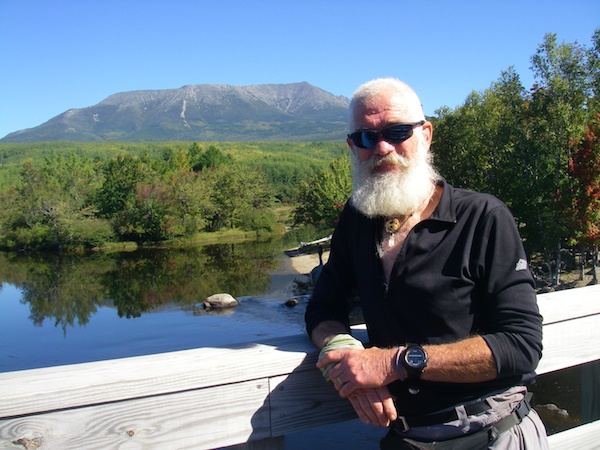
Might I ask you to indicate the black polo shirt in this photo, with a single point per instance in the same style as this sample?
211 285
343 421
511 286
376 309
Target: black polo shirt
460 273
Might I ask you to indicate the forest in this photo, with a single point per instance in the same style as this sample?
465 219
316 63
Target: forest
534 148
60 195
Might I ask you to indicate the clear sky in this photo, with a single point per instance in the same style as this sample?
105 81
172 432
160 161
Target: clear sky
62 54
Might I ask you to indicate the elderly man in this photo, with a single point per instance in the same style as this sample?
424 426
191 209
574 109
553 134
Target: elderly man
446 293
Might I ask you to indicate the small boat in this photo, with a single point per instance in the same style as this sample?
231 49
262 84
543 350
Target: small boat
308 247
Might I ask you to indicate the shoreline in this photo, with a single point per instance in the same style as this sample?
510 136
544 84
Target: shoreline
289 270
304 264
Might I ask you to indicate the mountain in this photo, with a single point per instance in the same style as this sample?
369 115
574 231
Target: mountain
204 112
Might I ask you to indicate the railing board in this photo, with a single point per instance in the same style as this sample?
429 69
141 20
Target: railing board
570 343
51 388
583 437
201 419
569 304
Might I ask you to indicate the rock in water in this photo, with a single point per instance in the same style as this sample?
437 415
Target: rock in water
217 301
292 302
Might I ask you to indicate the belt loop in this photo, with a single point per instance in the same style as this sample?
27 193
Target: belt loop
405 426
461 413
524 407
514 418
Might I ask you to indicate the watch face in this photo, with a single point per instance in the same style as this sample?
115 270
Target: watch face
415 358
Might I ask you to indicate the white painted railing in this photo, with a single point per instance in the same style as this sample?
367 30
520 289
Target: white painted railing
251 394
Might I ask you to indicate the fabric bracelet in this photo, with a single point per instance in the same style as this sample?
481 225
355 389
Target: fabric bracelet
398 365
338 342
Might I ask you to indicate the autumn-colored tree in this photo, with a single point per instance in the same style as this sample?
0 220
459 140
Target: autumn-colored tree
584 168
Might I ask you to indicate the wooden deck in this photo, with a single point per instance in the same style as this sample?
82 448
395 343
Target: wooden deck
251 394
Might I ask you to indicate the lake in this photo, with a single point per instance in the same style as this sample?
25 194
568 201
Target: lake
69 309
72 308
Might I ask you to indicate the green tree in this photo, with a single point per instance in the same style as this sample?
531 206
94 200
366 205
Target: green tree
209 159
593 68
485 133
558 116
121 176
237 192
52 208
128 198
192 203
150 217
323 196
518 145
174 161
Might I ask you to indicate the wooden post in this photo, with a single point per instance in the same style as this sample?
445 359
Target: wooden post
590 392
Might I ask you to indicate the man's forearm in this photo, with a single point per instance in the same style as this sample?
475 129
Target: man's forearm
466 361
325 331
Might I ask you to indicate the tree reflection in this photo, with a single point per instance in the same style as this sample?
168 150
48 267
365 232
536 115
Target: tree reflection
70 288
66 289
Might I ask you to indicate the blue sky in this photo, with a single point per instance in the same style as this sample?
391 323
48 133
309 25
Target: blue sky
60 54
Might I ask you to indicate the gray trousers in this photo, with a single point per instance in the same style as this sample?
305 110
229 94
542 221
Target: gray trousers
530 434
476 432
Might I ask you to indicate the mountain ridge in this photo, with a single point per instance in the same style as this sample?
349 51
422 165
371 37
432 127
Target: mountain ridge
203 112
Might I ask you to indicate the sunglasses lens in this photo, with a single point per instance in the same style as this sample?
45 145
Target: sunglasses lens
397 133
361 139
369 139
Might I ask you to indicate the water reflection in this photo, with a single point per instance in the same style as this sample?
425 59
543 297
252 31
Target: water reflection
69 289
68 309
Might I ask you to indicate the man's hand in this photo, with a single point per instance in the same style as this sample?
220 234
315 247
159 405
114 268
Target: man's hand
361 376
374 406
359 369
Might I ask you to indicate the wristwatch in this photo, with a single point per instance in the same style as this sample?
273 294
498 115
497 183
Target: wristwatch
414 360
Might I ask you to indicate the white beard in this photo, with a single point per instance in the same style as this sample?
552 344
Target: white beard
395 193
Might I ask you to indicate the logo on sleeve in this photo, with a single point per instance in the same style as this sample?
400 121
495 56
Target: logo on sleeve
521 265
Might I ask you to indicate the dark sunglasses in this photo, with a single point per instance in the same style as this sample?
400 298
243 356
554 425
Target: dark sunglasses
394 134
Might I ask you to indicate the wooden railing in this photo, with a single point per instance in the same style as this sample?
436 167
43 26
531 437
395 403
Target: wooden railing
251 394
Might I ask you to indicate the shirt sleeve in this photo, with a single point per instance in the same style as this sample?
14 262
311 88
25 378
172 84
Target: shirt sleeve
330 299
514 324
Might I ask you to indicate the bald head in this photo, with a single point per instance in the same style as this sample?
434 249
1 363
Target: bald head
375 91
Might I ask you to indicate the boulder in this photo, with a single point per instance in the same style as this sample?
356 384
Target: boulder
292 302
219 301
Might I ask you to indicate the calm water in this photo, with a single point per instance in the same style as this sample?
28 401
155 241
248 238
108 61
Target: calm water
70 309
62 310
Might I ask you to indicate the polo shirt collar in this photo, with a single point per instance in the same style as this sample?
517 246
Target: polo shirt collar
445 211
